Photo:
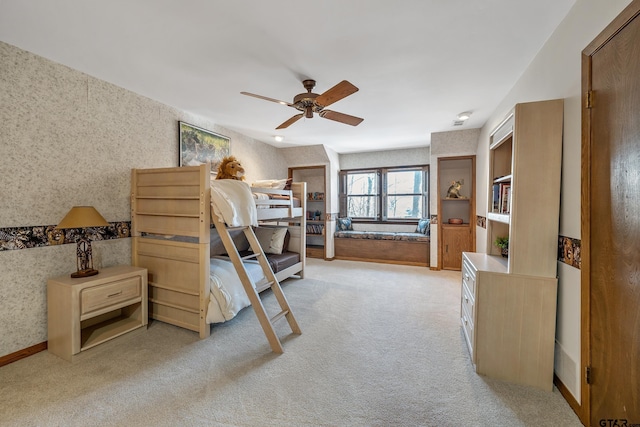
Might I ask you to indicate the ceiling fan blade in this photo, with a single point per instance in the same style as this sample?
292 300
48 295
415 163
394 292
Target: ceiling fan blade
336 93
291 121
267 99
341 117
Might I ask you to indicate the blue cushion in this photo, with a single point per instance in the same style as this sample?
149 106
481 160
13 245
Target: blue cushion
423 226
344 224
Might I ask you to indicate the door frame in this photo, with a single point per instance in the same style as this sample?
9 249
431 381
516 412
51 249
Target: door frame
624 18
325 211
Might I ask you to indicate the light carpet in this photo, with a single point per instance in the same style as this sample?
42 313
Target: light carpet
381 346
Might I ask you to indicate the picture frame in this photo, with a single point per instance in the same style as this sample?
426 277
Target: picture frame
199 146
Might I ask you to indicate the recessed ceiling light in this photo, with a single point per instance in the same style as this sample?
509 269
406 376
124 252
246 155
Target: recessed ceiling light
464 116
279 138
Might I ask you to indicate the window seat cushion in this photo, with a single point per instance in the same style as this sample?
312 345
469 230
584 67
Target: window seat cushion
382 235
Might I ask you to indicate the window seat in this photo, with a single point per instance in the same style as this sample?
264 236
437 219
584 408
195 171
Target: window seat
382 235
408 248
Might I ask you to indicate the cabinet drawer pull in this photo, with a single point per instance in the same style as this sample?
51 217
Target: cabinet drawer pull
466 299
466 277
116 294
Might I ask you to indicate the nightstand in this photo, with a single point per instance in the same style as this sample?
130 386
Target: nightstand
85 312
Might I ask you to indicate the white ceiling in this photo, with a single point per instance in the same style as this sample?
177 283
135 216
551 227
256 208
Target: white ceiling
417 63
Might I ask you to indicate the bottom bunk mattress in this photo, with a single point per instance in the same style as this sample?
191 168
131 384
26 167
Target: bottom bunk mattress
278 262
228 296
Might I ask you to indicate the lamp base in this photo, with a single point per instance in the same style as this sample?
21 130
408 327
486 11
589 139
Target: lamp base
84 273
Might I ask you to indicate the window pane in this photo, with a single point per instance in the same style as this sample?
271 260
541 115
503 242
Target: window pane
405 182
404 207
362 206
362 183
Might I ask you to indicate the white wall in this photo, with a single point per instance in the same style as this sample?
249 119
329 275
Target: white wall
68 139
555 73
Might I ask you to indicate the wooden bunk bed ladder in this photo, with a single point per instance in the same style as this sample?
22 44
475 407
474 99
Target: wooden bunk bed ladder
253 289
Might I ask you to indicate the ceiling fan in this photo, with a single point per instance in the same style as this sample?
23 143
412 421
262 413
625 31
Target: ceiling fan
310 103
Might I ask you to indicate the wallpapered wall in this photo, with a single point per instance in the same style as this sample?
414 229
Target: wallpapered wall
446 144
68 139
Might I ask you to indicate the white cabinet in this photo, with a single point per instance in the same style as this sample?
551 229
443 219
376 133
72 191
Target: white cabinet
508 305
508 321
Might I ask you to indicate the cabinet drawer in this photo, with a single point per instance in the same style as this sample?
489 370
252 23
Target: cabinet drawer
468 303
109 294
469 278
467 327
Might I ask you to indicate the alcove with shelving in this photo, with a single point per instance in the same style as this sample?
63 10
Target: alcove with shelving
315 177
456 210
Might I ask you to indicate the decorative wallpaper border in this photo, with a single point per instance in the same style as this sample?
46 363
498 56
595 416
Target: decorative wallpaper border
331 216
14 238
434 220
481 221
569 251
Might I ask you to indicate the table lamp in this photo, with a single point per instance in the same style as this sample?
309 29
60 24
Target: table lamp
83 217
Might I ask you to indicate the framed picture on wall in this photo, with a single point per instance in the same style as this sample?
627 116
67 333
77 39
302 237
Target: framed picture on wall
198 146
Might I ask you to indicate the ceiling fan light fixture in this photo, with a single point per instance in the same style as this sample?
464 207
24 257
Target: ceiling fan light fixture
308 112
464 116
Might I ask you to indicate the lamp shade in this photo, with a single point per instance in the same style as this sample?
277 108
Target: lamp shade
82 217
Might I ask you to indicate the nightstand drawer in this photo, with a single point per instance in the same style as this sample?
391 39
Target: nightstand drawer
109 294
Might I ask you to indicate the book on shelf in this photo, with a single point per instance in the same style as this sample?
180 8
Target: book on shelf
315 228
501 198
505 198
495 198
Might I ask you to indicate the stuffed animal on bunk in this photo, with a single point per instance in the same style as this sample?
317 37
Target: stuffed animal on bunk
230 168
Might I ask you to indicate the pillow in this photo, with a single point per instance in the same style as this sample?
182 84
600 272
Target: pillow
271 239
276 184
217 247
423 226
344 224
285 245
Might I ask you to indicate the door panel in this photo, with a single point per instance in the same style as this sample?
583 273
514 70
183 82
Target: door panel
455 240
614 229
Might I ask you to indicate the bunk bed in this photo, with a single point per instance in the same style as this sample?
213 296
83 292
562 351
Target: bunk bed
173 233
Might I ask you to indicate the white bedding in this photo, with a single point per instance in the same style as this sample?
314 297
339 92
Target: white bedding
261 196
228 296
232 202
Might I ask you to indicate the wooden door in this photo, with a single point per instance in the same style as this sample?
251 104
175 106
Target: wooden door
455 240
611 224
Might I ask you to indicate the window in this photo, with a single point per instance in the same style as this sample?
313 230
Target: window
385 194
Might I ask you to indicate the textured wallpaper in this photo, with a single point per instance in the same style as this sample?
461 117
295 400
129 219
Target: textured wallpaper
445 144
69 139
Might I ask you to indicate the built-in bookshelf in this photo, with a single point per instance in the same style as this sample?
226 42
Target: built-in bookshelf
508 303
